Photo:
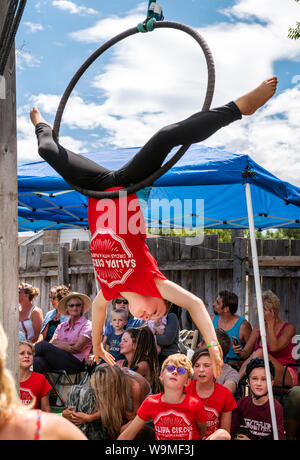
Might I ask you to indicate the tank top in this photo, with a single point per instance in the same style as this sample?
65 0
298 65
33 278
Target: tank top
233 332
120 256
284 356
26 326
37 434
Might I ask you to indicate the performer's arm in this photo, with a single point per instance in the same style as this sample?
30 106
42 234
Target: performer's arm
136 425
201 318
196 308
99 311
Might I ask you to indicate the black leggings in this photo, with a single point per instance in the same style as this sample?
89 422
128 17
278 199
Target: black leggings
49 357
87 174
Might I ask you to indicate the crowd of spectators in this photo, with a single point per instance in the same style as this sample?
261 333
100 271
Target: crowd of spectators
125 401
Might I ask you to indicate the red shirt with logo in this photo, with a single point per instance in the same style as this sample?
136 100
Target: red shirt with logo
121 258
37 386
173 422
221 400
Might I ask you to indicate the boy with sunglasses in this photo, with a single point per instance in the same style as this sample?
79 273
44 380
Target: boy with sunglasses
175 415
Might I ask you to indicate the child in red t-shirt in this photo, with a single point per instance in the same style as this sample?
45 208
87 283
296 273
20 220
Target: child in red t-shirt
217 400
176 416
33 386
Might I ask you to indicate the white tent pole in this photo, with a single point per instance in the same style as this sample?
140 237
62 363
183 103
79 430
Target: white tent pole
260 308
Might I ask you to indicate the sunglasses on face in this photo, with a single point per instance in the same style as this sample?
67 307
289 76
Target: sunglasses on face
74 305
119 301
180 370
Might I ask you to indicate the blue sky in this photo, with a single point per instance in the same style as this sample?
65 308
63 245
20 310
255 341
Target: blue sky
154 79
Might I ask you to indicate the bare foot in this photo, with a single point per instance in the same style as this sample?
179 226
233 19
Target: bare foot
36 117
250 102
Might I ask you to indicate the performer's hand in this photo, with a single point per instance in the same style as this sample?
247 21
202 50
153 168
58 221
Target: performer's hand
216 356
100 353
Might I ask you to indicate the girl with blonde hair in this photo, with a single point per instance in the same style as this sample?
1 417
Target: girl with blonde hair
105 408
21 423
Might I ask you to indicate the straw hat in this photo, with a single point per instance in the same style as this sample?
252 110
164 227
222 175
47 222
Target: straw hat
62 306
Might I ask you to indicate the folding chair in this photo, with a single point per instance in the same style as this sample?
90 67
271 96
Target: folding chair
188 342
61 382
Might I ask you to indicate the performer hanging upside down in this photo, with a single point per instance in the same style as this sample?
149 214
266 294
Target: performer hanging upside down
123 264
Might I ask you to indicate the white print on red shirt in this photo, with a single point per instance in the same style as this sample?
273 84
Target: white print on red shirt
26 396
173 425
212 420
112 259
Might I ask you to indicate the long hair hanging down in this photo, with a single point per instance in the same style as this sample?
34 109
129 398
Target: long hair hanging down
9 400
145 350
112 388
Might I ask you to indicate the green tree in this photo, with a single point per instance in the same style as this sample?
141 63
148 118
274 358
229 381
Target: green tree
294 32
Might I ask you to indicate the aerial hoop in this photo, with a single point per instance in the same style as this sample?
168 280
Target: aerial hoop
176 157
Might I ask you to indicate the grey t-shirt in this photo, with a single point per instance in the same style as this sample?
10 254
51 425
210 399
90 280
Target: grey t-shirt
228 374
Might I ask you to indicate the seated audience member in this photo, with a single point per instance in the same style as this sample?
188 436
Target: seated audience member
121 304
118 320
218 400
34 387
254 410
138 347
292 415
176 415
237 327
105 408
54 318
279 341
19 422
167 336
30 316
229 376
72 341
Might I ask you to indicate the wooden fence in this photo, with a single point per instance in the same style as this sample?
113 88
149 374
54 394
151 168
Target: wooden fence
204 270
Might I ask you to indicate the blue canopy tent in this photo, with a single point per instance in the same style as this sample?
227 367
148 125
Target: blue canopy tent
208 188
205 189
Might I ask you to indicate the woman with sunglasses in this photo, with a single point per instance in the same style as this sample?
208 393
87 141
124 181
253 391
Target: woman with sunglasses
30 316
72 341
122 261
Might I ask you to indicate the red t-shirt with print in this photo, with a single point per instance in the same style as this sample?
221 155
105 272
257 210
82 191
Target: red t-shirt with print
37 386
220 401
173 422
121 258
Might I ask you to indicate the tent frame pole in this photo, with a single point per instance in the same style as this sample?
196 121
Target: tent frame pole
260 308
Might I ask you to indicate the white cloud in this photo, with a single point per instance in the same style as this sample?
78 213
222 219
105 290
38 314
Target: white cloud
33 27
27 143
157 78
271 137
72 8
26 59
153 79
